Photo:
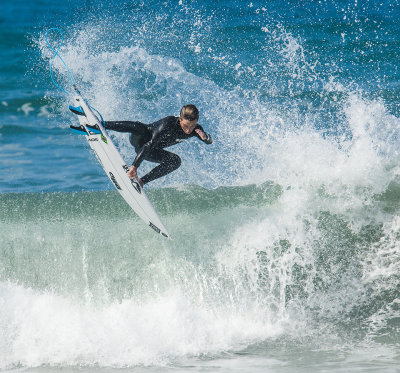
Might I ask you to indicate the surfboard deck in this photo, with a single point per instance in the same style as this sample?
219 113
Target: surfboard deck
113 164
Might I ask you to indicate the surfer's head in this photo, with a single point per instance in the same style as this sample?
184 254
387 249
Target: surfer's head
188 118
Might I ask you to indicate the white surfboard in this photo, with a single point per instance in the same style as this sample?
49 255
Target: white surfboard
114 166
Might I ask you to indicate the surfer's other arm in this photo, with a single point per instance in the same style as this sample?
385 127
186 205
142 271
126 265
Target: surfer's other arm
203 136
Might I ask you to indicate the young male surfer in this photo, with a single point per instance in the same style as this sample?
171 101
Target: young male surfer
150 140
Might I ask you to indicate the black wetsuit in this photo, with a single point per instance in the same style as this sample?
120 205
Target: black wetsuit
149 141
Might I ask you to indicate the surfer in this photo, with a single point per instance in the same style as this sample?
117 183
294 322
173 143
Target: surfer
150 140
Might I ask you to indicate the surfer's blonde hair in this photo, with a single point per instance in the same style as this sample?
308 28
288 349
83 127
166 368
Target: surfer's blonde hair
190 113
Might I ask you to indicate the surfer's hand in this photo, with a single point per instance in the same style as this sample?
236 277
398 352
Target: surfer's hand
132 173
202 135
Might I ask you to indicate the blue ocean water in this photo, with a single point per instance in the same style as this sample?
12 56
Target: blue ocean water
285 255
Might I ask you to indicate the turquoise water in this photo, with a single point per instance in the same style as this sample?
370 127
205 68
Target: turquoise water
285 254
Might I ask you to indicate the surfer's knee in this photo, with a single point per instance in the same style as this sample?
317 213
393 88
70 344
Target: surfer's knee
174 161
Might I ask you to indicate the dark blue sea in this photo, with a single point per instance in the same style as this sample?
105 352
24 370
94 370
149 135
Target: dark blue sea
286 230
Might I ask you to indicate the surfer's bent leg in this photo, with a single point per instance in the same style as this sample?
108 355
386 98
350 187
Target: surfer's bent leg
168 162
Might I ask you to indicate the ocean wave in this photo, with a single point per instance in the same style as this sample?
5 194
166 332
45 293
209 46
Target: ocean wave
239 254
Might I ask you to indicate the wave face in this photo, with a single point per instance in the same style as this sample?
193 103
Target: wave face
84 282
286 229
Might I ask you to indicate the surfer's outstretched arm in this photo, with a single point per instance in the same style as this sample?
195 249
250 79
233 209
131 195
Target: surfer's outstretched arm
125 126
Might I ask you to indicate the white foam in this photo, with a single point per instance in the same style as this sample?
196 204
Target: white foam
41 328
26 108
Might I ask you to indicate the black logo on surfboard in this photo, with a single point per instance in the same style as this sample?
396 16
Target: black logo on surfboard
114 180
158 230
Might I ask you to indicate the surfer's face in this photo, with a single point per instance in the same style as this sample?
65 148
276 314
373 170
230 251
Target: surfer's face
187 125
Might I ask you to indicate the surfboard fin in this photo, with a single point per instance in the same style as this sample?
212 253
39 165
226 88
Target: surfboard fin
76 110
136 185
94 129
78 129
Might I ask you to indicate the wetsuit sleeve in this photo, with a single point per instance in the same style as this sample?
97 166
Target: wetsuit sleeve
157 134
208 140
125 126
